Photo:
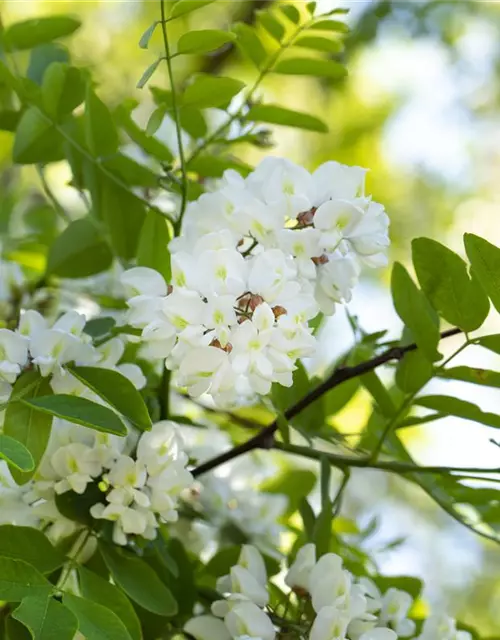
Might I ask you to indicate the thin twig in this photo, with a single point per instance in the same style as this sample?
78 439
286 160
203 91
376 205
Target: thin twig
265 438
393 466
177 119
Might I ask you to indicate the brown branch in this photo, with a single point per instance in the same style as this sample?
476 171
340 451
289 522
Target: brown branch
265 438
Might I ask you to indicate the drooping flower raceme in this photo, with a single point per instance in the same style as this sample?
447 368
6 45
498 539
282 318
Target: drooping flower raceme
343 607
134 491
257 260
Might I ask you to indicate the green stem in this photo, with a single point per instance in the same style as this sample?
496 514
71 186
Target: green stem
164 395
264 71
177 119
346 462
73 561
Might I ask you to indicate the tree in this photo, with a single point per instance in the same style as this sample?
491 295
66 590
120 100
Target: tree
190 360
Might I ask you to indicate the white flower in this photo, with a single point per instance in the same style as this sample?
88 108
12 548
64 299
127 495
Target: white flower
251 559
246 619
158 447
394 609
299 573
282 185
31 322
222 271
142 281
329 624
13 354
207 628
241 582
333 181
272 276
331 585
336 280
380 634
221 315
443 627
205 369
127 472
183 308
250 340
76 466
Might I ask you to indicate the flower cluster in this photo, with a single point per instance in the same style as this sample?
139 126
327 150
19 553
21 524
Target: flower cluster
48 348
134 485
341 606
258 259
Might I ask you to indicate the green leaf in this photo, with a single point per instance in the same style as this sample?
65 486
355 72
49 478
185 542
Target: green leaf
330 25
443 276
291 12
308 518
275 114
76 506
117 391
36 139
294 483
485 260
273 26
377 390
31 546
96 622
100 131
95 588
184 583
42 57
80 251
124 216
203 41
26 425
139 581
250 45
153 245
459 408
325 476
46 618
413 371
207 91
30 33
147 35
131 172
16 454
155 121
337 398
213 166
14 630
148 73
311 419
322 532
182 7
19 579
483 377
80 411
63 89
150 145
489 342
412 307
99 327
311 67
319 43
